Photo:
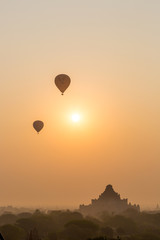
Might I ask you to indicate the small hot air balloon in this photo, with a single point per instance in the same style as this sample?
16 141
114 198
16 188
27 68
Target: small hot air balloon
62 82
38 125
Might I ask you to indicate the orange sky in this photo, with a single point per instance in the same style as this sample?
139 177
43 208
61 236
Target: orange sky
110 49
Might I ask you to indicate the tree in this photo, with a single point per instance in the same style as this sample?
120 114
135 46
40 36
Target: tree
127 224
79 230
52 236
26 223
12 232
107 231
7 218
33 235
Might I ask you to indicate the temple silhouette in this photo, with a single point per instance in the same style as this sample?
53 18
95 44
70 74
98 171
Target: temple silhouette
109 201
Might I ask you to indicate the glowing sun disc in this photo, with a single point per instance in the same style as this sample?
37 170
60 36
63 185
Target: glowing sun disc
75 117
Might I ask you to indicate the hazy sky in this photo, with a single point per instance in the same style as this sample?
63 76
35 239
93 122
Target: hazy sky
111 51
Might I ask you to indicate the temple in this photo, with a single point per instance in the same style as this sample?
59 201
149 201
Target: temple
109 201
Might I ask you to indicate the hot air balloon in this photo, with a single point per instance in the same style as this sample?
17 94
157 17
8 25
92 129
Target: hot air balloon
38 125
62 82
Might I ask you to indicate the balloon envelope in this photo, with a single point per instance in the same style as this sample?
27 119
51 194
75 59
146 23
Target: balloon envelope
38 125
62 82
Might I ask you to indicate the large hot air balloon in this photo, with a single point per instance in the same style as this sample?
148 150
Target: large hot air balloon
38 125
62 82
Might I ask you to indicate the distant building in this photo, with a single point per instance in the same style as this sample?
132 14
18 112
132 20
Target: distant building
109 201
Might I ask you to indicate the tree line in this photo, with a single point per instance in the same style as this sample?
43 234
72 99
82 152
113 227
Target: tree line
72 225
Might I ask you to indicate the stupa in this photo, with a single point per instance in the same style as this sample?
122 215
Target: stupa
109 201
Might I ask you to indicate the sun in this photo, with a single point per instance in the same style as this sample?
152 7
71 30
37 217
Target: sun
75 117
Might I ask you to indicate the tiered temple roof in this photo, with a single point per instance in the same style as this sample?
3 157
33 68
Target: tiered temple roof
109 201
